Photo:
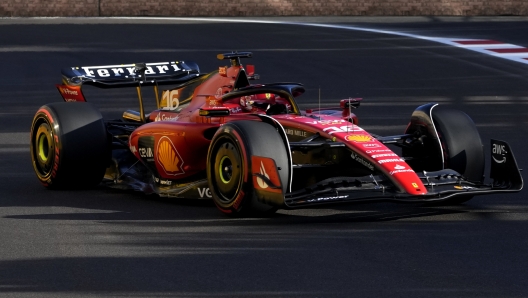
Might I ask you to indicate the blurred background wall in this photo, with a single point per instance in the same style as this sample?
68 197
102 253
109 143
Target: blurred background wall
253 8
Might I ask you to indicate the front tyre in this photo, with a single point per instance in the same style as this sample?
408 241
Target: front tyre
69 145
229 165
460 148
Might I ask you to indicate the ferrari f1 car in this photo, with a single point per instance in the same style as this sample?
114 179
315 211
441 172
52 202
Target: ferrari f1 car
250 148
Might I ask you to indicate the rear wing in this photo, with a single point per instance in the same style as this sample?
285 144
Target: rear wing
127 75
131 75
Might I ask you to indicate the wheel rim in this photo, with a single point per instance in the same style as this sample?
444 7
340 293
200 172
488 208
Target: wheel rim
225 170
43 148
43 151
228 172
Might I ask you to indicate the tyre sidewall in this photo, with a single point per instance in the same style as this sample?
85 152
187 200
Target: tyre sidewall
81 146
252 138
461 144
49 179
236 203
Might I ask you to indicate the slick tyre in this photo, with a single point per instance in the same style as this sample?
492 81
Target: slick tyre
69 145
229 165
461 145
459 148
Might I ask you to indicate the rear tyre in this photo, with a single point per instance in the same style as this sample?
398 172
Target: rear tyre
229 164
69 145
462 148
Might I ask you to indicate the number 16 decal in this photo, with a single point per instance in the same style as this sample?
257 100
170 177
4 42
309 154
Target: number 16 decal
169 100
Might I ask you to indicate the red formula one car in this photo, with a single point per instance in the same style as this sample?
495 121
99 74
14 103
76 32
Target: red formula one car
249 147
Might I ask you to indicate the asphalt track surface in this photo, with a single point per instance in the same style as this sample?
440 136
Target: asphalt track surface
108 243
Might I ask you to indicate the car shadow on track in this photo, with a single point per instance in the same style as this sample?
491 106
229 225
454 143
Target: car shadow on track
104 204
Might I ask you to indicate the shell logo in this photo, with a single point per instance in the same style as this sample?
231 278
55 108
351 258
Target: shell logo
358 138
169 158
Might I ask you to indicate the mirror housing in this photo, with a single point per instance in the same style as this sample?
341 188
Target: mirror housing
350 103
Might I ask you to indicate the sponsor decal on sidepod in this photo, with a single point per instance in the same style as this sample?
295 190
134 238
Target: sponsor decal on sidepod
168 157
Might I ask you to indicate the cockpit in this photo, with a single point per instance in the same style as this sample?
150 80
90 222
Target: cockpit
269 103
272 99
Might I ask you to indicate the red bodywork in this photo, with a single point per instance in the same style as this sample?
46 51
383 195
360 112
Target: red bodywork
174 144
327 157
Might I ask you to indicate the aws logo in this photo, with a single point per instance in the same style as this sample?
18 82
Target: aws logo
168 157
499 153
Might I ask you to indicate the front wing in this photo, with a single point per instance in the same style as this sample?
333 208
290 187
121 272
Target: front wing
441 185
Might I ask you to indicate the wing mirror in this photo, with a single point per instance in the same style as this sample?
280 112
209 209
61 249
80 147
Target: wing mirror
350 103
